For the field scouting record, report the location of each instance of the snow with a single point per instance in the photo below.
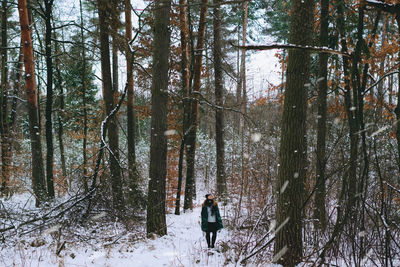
(170, 132)
(380, 130)
(280, 253)
(184, 245)
(256, 137)
(336, 121)
(377, 2)
(284, 186)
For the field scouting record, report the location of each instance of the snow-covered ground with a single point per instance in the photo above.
(183, 246)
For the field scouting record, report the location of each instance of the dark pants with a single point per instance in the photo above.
(212, 228)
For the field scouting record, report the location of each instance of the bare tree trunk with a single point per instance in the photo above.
(113, 130)
(239, 82)
(354, 117)
(60, 117)
(49, 99)
(320, 191)
(39, 67)
(180, 176)
(390, 90)
(397, 109)
(13, 112)
(349, 183)
(243, 107)
(84, 103)
(219, 113)
(17, 89)
(4, 127)
(243, 103)
(293, 147)
(156, 221)
(131, 117)
(191, 141)
(115, 59)
(380, 92)
(38, 185)
(109, 99)
(185, 70)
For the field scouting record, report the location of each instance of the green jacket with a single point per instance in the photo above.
(204, 217)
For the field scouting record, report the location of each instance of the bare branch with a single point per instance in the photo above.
(292, 46)
(393, 9)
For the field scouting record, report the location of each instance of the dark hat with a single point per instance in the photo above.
(208, 195)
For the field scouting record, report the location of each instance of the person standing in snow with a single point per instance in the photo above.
(210, 219)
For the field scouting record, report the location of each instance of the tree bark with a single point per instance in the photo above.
(38, 185)
(238, 84)
(109, 99)
(60, 116)
(4, 127)
(397, 109)
(156, 221)
(219, 113)
(193, 120)
(17, 89)
(320, 191)
(131, 117)
(243, 108)
(180, 176)
(353, 113)
(243, 102)
(113, 130)
(293, 148)
(84, 104)
(185, 70)
(49, 99)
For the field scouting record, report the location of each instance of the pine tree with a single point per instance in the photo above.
(293, 148)
(38, 177)
(156, 221)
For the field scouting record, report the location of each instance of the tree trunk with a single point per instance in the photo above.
(60, 117)
(156, 221)
(185, 70)
(219, 113)
(49, 100)
(320, 191)
(349, 182)
(13, 112)
(84, 104)
(38, 185)
(4, 127)
(131, 118)
(180, 176)
(238, 84)
(191, 140)
(397, 109)
(243, 108)
(109, 99)
(17, 89)
(380, 92)
(293, 148)
(243, 102)
(39, 68)
(354, 117)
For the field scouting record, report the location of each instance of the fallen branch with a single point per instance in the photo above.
(49, 215)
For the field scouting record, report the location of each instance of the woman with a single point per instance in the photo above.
(210, 219)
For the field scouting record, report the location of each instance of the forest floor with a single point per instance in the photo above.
(100, 244)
